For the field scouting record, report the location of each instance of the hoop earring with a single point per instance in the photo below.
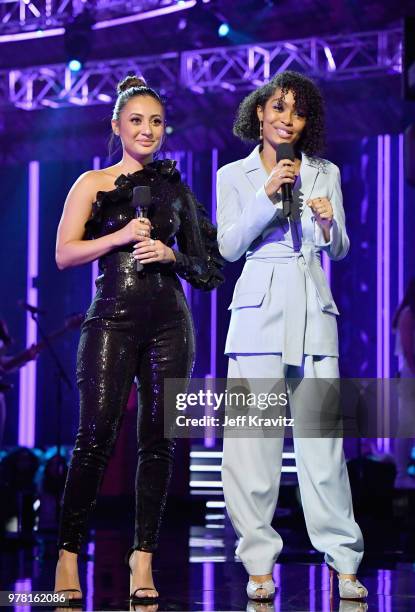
(261, 130)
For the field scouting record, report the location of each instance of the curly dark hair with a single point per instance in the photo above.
(308, 100)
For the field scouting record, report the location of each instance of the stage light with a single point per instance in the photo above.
(182, 25)
(104, 98)
(74, 65)
(223, 30)
(330, 59)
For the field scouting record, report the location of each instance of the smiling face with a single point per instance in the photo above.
(140, 127)
(282, 121)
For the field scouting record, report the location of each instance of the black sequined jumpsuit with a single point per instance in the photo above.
(138, 325)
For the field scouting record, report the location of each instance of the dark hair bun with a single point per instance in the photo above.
(130, 81)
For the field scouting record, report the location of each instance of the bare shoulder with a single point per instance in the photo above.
(92, 181)
(112, 172)
(96, 178)
(86, 180)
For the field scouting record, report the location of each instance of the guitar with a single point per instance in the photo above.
(30, 353)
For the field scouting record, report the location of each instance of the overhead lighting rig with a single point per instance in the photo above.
(32, 19)
(235, 68)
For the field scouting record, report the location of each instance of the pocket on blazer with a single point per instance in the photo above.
(252, 285)
(247, 300)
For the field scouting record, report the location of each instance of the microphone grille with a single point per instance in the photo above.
(141, 196)
(285, 151)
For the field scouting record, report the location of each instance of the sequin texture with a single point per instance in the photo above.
(138, 325)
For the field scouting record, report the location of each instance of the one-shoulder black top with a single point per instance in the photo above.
(176, 216)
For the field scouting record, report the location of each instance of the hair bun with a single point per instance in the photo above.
(130, 81)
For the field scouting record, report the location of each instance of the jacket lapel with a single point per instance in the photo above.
(308, 174)
(254, 170)
(257, 176)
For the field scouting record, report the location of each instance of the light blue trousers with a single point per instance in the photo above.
(251, 471)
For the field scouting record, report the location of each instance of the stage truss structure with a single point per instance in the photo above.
(19, 17)
(235, 68)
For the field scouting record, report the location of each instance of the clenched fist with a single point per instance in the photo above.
(323, 212)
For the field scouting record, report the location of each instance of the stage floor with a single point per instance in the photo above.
(195, 569)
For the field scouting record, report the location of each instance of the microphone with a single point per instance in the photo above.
(141, 202)
(29, 308)
(286, 151)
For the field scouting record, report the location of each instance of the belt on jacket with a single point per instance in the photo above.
(306, 260)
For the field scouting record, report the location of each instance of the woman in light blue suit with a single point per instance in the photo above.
(283, 325)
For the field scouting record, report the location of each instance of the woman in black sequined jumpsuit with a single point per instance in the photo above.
(138, 325)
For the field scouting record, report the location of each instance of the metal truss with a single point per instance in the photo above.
(232, 68)
(17, 16)
(331, 58)
(55, 86)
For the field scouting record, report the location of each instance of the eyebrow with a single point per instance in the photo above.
(285, 103)
(140, 115)
(279, 100)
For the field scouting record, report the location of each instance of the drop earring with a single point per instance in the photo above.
(261, 135)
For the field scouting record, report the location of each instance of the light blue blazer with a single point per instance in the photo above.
(282, 302)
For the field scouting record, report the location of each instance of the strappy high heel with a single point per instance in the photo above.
(253, 587)
(71, 602)
(143, 600)
(348, 589)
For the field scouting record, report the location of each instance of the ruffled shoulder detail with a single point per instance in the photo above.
(125, 183)
(214, 277)
(163, 167)
(206, 273)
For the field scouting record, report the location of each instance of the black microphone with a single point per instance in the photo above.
(29, 308)
(141, 202)
(286, 151)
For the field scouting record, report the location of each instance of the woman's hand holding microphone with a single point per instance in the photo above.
(283, 172)
(146, 249)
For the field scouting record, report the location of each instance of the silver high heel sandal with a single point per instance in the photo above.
(352, 589)
(348, 589)
(268, 588)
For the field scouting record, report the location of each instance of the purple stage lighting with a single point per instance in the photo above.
(27, 381)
